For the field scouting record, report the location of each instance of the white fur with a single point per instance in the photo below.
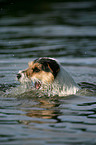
(23, 78)
(62, 85)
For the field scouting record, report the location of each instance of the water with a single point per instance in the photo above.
(67, 32)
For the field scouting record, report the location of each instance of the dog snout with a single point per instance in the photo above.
(18, 76)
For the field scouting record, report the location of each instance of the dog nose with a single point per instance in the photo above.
(19, 76)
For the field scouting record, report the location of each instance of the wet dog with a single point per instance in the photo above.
(48, 75)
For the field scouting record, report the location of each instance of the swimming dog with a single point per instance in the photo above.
(48, 75)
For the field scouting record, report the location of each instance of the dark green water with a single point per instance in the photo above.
(67, 32)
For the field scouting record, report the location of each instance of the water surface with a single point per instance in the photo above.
(67, 32)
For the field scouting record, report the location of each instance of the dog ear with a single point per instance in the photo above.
(54, 67)
(30, 64)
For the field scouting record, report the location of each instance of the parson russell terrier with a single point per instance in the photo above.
(47, 74)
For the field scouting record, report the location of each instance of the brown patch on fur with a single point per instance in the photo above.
(37, 65)
(30, 63)
(58, 70)
(45, 77)
(50, 68)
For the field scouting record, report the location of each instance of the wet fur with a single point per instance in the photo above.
(55, 80)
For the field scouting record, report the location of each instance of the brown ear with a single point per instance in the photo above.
(54, 67)
(30, 64)
(50, 67)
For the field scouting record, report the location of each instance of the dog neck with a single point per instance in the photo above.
(64, 84)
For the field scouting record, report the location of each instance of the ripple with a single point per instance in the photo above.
(67, 32)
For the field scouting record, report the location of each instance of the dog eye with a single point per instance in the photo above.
(36, 69)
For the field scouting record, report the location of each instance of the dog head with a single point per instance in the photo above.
(40, 71)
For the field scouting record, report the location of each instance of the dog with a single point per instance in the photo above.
(47, 74)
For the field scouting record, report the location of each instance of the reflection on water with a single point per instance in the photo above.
(67, 32)
(62, 119)
(47, 109)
